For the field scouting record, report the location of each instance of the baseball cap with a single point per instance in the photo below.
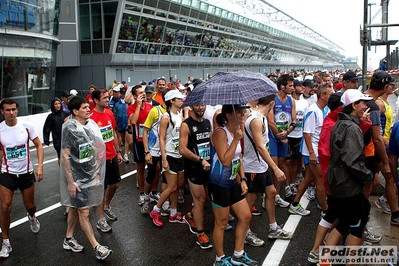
(228, 108)
(73, 92)
(308, 83)
(334, 101)
(117, 88)
(350, 75)
(172, 94)
(298, 82)
(181, 87)
(381, 77)
(149, 88)
(66, 94)
(352, 95)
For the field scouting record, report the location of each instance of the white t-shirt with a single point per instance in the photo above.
(210, 112)
(15, 147)
(250, 158)
(312, 123)
(300, 106)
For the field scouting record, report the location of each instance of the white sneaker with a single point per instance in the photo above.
(126, 158)
(141, 199)
(294, 189)
(298, 210)
(311, 193)
(288, 192)
(34, 224)
(280, 202)
(5, 250)
(382, 205)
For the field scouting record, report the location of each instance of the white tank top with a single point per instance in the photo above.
(172, 135)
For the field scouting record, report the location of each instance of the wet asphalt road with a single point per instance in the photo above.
(136, 241)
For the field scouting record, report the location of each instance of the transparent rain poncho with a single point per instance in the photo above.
(82, 163)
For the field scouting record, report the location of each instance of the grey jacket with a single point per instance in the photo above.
(347, 172)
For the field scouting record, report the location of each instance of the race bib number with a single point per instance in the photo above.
(16, 153)
(299, 123)
(267, 146)
(175, 142)
(141, 130)
(204, 150)
(235, 167)
(107, 133)
(85, 152)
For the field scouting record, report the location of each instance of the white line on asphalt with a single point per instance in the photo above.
(57, 205)
(280, 246)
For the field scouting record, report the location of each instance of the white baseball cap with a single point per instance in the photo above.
(353, 95)
(73, 92)
(170, 95)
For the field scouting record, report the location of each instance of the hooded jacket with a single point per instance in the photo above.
(347, 171)
(53, 124)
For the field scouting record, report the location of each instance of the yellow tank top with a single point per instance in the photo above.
(386, 120)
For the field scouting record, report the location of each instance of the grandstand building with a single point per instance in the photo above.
(136, 40)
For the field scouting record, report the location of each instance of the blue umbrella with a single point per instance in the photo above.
(231, 88)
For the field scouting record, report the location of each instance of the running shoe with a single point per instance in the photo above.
(189, 219)
(255, 211)
(103, 226)
(5, 250)
(253, 240)
(203, 241)
(244, 260)
(279, 233)
(110, 215)
(298, 179)
(34, 224)
(228, 227)
(72, 244)
(225, 261)
(154, 197)
(181, 196)
(294, 189)
(156, 218)
(311, 193)
(231, 218)
(313, 257)
(177, 218)
(370, 237)
(395, 221)
(102, 252)
(382, 205)
(141, 199)
(298, 210)
(126, 158)
(288, 192)
(322, 214)
(145, 208)
(280, 202)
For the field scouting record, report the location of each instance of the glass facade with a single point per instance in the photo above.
(196, 28)
(96, 25)
(27, 52)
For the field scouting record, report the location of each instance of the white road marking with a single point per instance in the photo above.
(57, 205)
(279, 247)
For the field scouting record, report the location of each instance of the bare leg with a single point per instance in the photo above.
(72, 219)
(221, 219)
(85, 224)
(6, 196)
(241, 209)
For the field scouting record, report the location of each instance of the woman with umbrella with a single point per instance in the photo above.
(228, 186)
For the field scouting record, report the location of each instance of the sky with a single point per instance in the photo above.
(340, 20)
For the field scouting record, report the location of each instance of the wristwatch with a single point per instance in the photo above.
(244, 179)
(146, 152)
(200, 159)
